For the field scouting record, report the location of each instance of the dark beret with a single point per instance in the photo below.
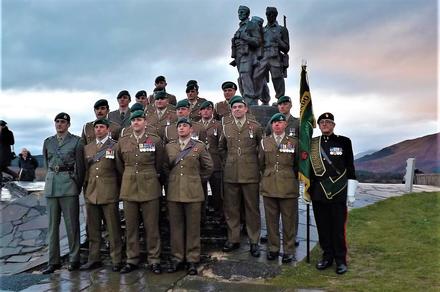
(2, 123)
(122, 93)
(137, 114)
(191, 82)
(284, 99)
(183, 103)
(191, 87)
(184, 120)
(141, 93)
(159, 79)
(326, 116)
(271, 9)
(102, 121)
(206, 104)
(236, 99)
(62, 116)
(160, 94)
(229, 84)
(101, 102)
(137, 107)
(278, 117)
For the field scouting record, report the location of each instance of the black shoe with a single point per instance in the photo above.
(192, 269)
(90, 266)
(287, 258)
(51, 268)
(255, 251)
(156, 268)
(73, 266)
(229, 246)
(128, 268)
(272, 255)
(263, 239)
(324, 264)
(116, 267)
(341, 269)
(174, 267)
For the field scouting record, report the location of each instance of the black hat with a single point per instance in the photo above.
(183, 120)
(159, 79)
(160, 94)
(122, 93)
(141, 93)
(229, 84)
(2, 123)
(101, 102)
(191, 87)
(62, 116)
(206, 104)
(278, 117)
(192, 82)
(137, 107)
(326, 116)
(102, 121)
(284, 99)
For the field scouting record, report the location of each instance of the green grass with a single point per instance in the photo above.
(394, 245)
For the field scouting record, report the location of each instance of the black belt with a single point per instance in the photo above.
(58, 168)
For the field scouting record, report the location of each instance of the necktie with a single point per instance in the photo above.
(99, 145)
(239, 124)
(60, 140)
(122, 116)
(182, 146)
(278, 140)
(159, 114)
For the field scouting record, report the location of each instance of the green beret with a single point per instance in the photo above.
(101, 102)
(141, 93)
(326, 116)
(278, 117)
(229, 84)
(160, 94)
(137, 114)
(206, 104)
(122, 93)
(236, 99)
(284, 99)
(183, 103)
(102, 121)
(137, 107)
(184, 120)
(62, 116)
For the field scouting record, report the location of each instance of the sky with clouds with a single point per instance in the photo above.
(373, 63)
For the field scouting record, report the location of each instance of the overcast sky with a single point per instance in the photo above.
(373, 63)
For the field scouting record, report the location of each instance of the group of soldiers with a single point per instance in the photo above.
(134, 153)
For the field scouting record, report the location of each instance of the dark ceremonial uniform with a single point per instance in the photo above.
(102, 186)
(329, 192)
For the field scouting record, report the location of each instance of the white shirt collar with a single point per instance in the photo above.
(102, 141)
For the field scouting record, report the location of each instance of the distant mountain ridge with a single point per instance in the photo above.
(392, 159)
(364, 153)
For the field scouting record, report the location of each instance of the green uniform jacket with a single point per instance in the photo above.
(102, 180)
(88, 133)
(140, 169)
(278, 167)
(240, 149)
(213, 132)
(198, 133)
(70, 154)
(185, 176)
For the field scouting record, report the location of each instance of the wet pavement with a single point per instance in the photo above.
(23, 229)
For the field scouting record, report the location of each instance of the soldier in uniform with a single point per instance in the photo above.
(213, 131)
(139, 158)
(101, 109)
(64, 160)
(162, 114)
(239, 143)
(187, 163)
(141, 97)
(331, 157)
(160, 84)
(245, 44)
(101, 187)
(222, 108)
(121, 116)
(183, 111)
(192, 94)
(129, 129)
(279, 188)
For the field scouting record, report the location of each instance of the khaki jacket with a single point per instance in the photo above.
(159, 125)
(278, 166)
(102, 180)
(213, 132)
(88, 133)
(185, 176)
(240, 149)
(127, 131)
(140, 169)
(195, 115)
(222, 109)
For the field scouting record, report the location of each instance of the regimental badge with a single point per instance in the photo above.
(335, 151)
(110, 153)
(292, 132)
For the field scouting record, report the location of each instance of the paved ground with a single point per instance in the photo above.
(22, 237)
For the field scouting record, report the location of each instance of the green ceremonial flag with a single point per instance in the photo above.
(307, 123)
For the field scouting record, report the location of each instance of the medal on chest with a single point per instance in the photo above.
(287, 148)
(147, 146)
(335, 151)
(251, 132)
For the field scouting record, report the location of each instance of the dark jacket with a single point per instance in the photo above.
(6, 141)
(27, 167)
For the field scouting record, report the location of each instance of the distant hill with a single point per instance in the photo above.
(362, 154)
(392, 159)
